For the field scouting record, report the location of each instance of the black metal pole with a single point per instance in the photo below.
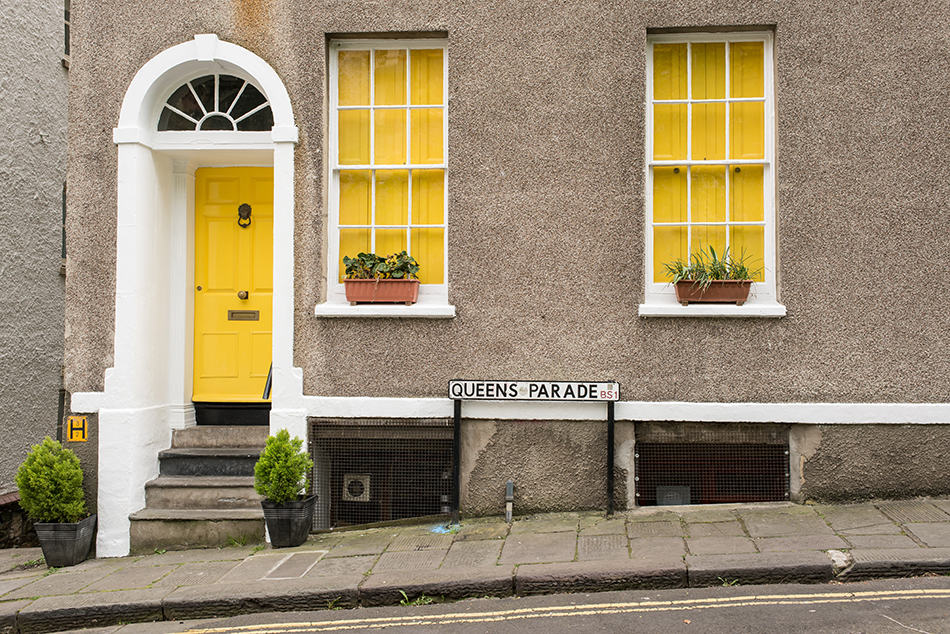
(610, 458)
(456, 461)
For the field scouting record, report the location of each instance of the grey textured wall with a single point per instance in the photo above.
(555, 465)
(877, 461)
(33, 95)
(546, 136)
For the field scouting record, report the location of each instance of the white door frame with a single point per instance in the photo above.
(148, 390)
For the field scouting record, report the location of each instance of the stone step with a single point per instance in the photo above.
(199, 461)
(201, 492)
(180, 529)
(208, 436)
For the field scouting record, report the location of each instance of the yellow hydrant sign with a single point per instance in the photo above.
(77, 428)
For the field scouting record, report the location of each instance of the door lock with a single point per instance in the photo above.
(242, 294)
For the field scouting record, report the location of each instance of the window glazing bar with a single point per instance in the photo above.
(681, 162)
(404, 166)
(724, 100)
(396, 107)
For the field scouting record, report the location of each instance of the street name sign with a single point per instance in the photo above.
(534, 390)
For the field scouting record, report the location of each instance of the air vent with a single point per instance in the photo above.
(356, 487)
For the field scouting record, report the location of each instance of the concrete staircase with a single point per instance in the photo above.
(204, 495)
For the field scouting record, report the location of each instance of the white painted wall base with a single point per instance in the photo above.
(129, 442)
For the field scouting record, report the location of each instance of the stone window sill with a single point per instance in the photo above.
(420, 310)
(771, 310)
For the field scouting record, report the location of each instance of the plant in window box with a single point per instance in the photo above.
(50, 485)
(711, 279)
(374, 279)
(280, 475)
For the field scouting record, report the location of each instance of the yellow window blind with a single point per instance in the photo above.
(746, 69)
(708, 105)
(392, 113)
(392, 197)
(354, 78)
(708, 188)
(669, 71)
(709, 70)
(390, 78)
(426, 71)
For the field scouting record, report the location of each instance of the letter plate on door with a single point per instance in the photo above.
(244, 315)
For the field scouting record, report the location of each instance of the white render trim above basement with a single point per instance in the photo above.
(642, 411)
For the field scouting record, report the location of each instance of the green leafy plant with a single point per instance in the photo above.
(703, 268)
(33, 563)
(369, 266)
(422, 599)
(728, 581)
(50, 484)
(281, 472)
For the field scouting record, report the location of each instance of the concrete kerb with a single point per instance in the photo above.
(269, 596)
(752, 569)
(387, 588)
(902, 562)
(592, 576)
(97, 609)
(49, 614)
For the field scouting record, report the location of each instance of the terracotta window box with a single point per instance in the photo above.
(718, 292)
(381, 291)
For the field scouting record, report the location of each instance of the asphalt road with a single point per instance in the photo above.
(899, 605)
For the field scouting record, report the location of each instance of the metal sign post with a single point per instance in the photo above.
(456, 461)
(610, 458)
(577, 391)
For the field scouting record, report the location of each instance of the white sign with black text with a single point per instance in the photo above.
(534, 390)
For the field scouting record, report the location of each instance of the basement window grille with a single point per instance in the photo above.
(694, 464)
(379, 470)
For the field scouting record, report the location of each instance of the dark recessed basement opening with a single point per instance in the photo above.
(377, 470)
(699, 463)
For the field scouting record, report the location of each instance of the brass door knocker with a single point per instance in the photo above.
(244, 215)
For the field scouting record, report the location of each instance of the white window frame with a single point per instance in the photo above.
(659, 298)
(433, 298)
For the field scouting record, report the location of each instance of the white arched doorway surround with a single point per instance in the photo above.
(148, 390)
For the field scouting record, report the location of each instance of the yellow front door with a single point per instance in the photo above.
(234, 228)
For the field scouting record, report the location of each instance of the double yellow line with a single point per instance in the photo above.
(584, 610)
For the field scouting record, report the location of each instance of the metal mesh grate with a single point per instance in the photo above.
(379, 470)
(745, 465)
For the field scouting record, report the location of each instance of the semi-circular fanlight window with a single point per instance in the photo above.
(217, 102)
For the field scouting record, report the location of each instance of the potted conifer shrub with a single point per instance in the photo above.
(708, 278)
(50, 484)
(280, 475)
(373, 279)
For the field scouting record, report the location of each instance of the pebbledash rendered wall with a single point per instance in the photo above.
(33, 96)
(546, 228)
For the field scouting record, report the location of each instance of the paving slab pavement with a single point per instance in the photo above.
(473, 554)
(687, 546)
(720, 545)
(13, 558)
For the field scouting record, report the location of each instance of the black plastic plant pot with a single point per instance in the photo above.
(288, 523)
(66, 544)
